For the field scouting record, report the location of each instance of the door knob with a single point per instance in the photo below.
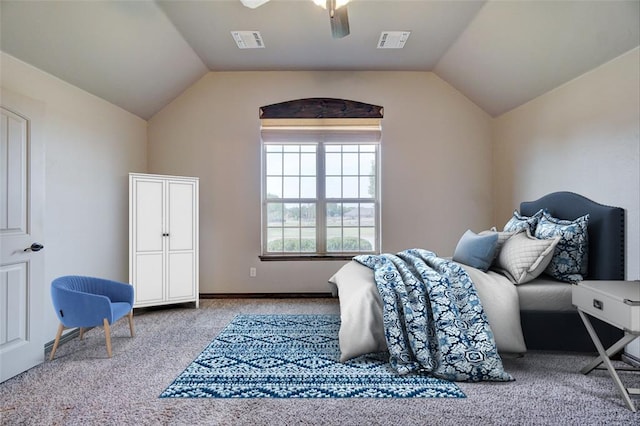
(34, 247)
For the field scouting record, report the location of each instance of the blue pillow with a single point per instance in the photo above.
(569, 262)
(476, 250)
(519, 223)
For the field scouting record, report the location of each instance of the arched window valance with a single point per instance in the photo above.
(306, 119)
(319, 108)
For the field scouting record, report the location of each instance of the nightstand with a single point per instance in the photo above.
(617, 303)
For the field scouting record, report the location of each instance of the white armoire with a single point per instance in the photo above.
(163, 239)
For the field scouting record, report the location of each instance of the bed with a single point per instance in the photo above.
(535, 314)
(560, 327)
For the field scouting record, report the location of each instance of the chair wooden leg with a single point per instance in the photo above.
(130, 316)
(57, 341)
(81, 333)
(107, 335)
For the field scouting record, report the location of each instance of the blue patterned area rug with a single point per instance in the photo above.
(295, 356)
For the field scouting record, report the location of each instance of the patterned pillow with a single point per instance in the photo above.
(518, 222)
(476, 250)
(524, 257)
(571, 255)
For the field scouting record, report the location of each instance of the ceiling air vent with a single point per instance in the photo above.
(248, 39)
(393, 39)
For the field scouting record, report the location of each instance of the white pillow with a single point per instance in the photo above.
(503, 236)
(523, 257)
(361, 326)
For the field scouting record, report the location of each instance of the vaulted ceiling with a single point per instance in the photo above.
(140, 55)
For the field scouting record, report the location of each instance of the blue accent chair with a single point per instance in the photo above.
(89, 302)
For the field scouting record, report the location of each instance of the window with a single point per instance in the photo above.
(320, 197)
(320, 178)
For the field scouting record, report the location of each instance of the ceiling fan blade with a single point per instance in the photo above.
(339, 22)
(252, 4)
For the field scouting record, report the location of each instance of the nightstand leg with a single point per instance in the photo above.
(604, 357)
(617, 347)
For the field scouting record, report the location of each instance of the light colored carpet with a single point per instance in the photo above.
(84, 387)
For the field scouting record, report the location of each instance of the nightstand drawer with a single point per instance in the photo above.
(615, 302)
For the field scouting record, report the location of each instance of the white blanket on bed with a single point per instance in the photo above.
(362, 330)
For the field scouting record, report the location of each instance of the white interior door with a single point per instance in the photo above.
(22, 287)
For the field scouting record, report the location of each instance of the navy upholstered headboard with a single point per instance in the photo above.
(606, 230)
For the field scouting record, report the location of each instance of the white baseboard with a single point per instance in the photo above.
(65, 338)
(630, 359)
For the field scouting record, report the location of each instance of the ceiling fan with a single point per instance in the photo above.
(337, 14)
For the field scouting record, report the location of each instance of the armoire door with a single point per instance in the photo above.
(181, 248)
(148, 240)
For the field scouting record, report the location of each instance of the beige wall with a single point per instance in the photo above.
(437, 177)
(583, 137)
(436, 174)
(91, 146)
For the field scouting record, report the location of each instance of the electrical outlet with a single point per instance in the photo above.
(252, 272)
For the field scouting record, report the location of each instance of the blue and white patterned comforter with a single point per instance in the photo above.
(433, 319)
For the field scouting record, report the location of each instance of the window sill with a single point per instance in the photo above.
(296, 257)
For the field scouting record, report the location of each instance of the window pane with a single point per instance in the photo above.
(291, 148)
(274, 239)
(307, 187)
(333, 187)
(350, 187)
(308, 240)
(368, 187)
(333, 164)
(332, 148)
(350, 164)
(274, 214)
(291, 239)
(367, 148)
(292, 214)
(334, 214)
(350, 214)
(367, 239)
(350, 147)
(291, 164)
(350, 239)
(274, 187)
(308, 214)
(350, 233)
(308, 164)
(291, 233)
(274, 164)
(334, 239)
(291, 187)
(307, 148)
(368, 164)
(367, 214)
(273, 148)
